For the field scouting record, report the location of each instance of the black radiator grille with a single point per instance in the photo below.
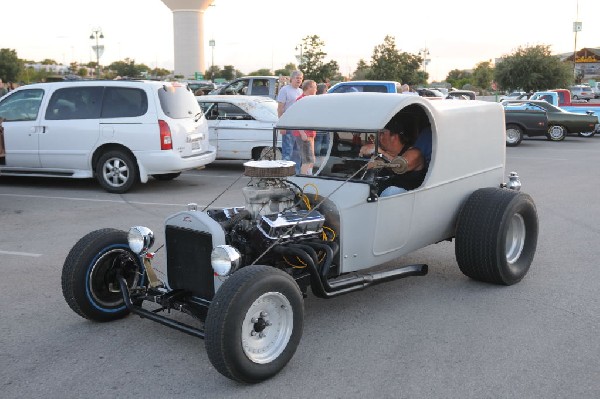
(188, 261)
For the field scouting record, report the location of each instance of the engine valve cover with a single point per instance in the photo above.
(292, 224)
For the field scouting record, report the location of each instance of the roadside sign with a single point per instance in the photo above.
(198, 75)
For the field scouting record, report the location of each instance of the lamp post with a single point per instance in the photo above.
(424, 52)
(211, 43)
(97, 34)
(301, 48)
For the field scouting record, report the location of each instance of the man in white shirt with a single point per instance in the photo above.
(286, 97)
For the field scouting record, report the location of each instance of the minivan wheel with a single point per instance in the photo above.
(116, 171)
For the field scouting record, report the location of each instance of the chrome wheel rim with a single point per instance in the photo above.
(102, 284)
(512, 136)
(556, 132)
(515, 238)
(115, 172)
(267, 327)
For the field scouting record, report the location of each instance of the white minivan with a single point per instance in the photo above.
(120, 132)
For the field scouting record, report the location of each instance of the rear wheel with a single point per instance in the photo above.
(496, 235)
(89, 275)
(116, 171)
(167, 176)
(556, 133)
(514, 135)
(254, 324)
(587, 134)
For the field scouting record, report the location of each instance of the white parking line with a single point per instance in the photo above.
(20, 254)
(95, 200)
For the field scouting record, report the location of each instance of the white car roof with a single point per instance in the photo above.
(346, 111)
(259, 107)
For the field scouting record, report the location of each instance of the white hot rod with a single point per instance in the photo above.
(242, 273)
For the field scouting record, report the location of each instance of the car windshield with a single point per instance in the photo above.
(177, 101)
(337, 154)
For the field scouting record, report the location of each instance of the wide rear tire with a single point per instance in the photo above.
(496, 235)
(254, 324)
(89, 275)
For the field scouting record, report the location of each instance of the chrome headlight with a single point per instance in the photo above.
(225, 259)
(140, 239)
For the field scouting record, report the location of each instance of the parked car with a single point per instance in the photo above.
(244, 271)
(461, 95)
(366, 86)
(119, 132)
(253, 86)
(205, 85)
(560, 122)
(524, 122)
(515, 95)
(581, 92)
(432, 94)
(240, 127)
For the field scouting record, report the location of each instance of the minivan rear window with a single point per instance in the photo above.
(178, 102)
(123, 102)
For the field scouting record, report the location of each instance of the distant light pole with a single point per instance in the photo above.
(97, 34)
(211, 43)
(424, 52)
(301, 48)
(576, 28)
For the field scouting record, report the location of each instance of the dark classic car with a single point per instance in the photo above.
(524, 122)
(560, 122)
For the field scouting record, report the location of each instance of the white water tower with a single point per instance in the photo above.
(188, 29)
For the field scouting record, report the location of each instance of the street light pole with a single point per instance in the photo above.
(211, 43)
(301, 48)
(97, 34)
(425, 53)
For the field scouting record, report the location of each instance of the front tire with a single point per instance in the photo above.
(556, 133)
(254, 324)
(514, 135)
(496, 235)
(89, 275)
(116, 171)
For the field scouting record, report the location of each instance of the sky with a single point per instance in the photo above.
(250, 35)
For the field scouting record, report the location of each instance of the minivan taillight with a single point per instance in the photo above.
(166, 140)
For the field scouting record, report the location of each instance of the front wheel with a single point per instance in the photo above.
(116, 171)
(556, 133)
(514, 135)
(496, 235)
(254, 324)
(89, 276)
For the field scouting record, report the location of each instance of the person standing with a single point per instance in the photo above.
(305, 139)
(286, 97)
(3, 91)
(322, 138)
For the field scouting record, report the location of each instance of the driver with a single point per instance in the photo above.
(403, 165)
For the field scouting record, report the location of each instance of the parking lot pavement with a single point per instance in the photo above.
(442, 335)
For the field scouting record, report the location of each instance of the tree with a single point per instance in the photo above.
(362, 70)
(532, 69)
(287, 70)
(483, 75)
(312, 63)
(458, 78)
(128, 68)
(261, 72)
(10, 65)
(387, 63)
